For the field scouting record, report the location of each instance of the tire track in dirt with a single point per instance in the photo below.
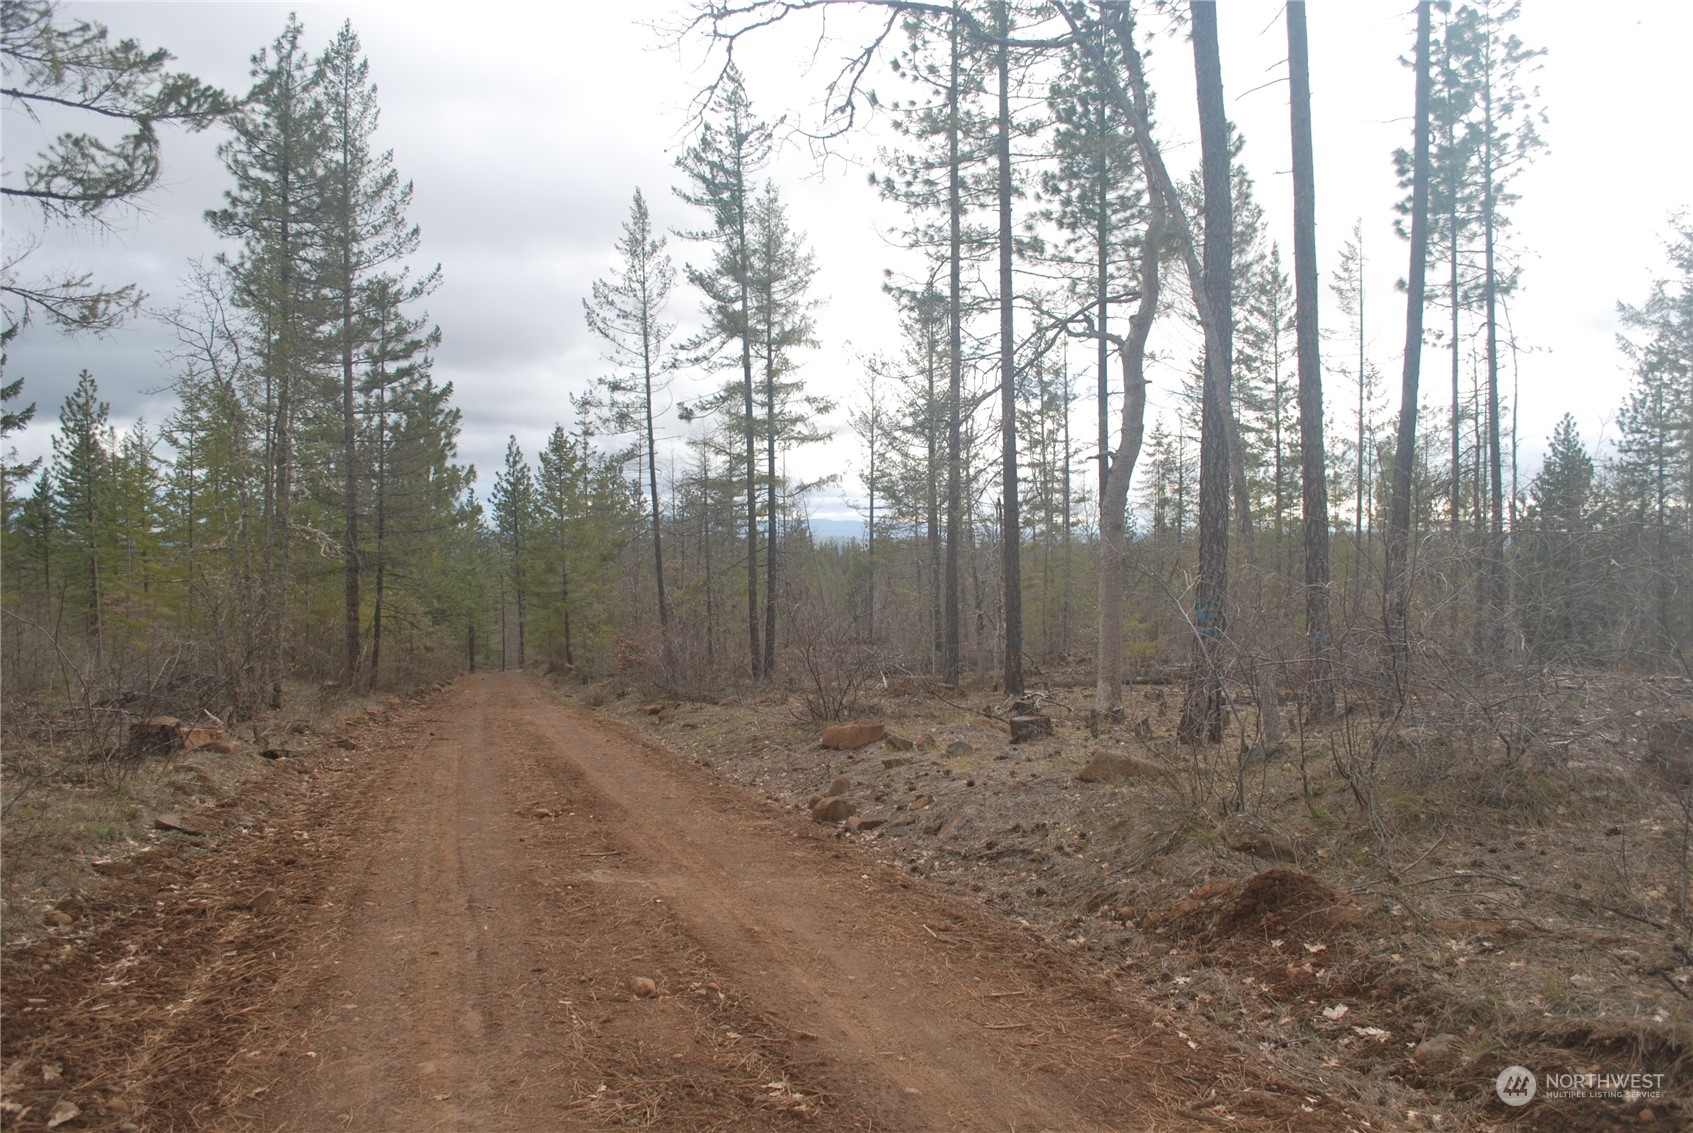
(520, 861)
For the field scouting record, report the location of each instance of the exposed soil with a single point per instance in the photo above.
(1518, 898)
(493, 911)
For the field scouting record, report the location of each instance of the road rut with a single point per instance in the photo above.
(522, 866)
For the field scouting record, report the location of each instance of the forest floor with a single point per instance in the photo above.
(509, 905)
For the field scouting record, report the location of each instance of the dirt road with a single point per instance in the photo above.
(528, 865)
(496, 878)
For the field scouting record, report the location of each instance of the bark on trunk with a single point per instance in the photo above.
(1319, 651)
(1397, 580)
(955, 364)
(1011, 528)
(1202, 712)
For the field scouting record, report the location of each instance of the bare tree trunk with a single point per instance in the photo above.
(381, 533)
(932, 507)
(756, 656)
(1320, 691)
(350, 457)
(770, 519)
(1102, 288)
(1493, 618)
(1011, 526)
(1397, 581)
(1202, 712)
(652, 480)
(955, 362)
(1457, 427)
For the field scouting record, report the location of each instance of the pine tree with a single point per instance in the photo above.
(733, 145)
(12, 470)
(275, 211)
(1483, 133)
(1653, 468)
(366, 238)
(914, 475)
(410, 447)
(1347, 285)
(1560, 583)
(627, 311)
(1266, 387)
(781, 272)
(513, 501)
(82, 505)
(1098, 203)
(1509, 141)
(561, 497)
(951, 122)
(84, 178)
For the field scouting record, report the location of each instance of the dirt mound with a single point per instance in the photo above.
(1280, 903)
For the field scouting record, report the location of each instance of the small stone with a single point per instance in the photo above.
(172, 821)
(1248, 834)
(896, 761)
(898, 743)
(642, 987)
(1026, 728)
(959, 747)
(1438, 1052)
(63, 1112)
(831, 809)
(840, 786)
(850, 737)
(921, 802)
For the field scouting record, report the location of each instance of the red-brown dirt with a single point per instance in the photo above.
(501, 913)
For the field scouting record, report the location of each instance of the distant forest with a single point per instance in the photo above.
(302, 518)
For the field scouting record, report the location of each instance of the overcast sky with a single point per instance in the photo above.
(526, 128)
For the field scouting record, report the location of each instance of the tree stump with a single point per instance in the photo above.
(1025, 728)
